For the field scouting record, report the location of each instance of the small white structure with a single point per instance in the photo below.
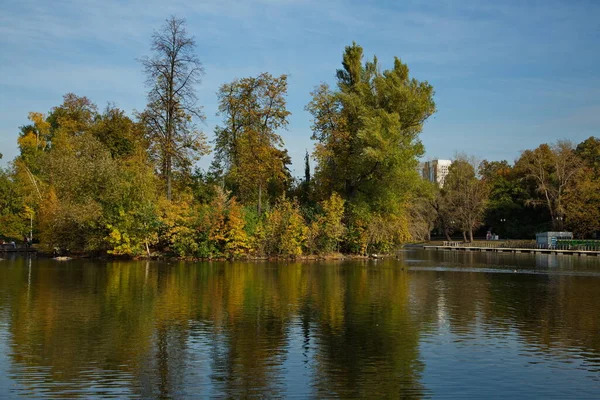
(547, 240)
(436, 171)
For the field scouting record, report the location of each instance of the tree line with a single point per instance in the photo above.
(104, 182)
(553, 187)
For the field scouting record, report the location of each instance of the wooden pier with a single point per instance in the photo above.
(454, 247)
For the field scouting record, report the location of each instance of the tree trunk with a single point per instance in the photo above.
(169, 176)
(259, 198)
(447, 235)
(169, 186)
(471, 234)
(464, 235)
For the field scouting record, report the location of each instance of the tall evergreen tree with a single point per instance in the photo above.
(306, 169)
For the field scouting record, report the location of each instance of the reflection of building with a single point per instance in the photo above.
(436, 171)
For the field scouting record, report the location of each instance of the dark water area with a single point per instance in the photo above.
(430, 324)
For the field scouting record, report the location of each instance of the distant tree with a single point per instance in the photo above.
(582, 205)
(589, 152)
(85, 179)
(423, 212)
(490, 170)
(446, 220)
(582, 199)
(506, 213)
(553, 170)
(465, 196)
(172, 74)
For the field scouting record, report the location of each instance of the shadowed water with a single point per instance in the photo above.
(430, 324)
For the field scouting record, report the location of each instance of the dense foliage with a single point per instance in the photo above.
(105, 183)
(553, 187)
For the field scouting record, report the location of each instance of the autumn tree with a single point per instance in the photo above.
(582, 205)
(249, 151)
(589, 153)
(582, 198)
(81, 178)
(85, 179)
(446, 219)
(172, 73)
(552, 169)
(40, 141)
(73, 117)
(131, 215)
(283, 231)
(327, 230)
(34, 139)
(464, 196)
(34, 143)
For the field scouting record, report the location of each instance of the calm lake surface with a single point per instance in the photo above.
(428, 325)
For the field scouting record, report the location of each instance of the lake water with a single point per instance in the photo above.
(427, 325)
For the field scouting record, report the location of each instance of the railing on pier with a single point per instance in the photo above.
(580, 247)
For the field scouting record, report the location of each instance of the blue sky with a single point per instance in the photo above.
(508, 75)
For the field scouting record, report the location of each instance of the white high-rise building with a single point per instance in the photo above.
(436, 171)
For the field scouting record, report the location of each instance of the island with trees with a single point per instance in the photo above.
(101, 182)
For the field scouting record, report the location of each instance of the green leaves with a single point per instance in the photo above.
(367, 137)
(248, 148)
(14, 213)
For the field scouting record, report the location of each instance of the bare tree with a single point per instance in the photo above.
(172, 72)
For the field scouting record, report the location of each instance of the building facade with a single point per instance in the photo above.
(436, 171)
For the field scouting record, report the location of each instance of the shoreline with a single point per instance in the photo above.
(171, 257)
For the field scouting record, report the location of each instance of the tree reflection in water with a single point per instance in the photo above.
(353, 329)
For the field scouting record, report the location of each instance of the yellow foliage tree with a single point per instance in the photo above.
(331, 222)
(284, 231)
(236, 239)
(177, 218)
